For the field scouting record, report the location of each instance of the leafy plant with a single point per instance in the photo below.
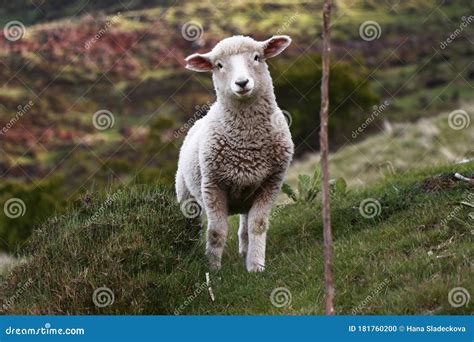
(308, 187)
(338, 187)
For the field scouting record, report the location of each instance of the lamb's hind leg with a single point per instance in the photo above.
(215, 202)
(243, 235)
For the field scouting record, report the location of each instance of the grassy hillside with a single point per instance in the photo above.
(429, 141)
(137, 243)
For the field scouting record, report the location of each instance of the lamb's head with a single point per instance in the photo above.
(238, 66)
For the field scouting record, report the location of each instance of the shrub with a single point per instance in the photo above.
(297, 89)
(24, 207)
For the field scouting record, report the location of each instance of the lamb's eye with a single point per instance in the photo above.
(256, 58)
(219, 65)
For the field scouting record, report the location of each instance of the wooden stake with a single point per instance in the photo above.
(324, 145)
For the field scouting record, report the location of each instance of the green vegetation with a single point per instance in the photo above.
(297, 89)
(138, 244)
(24, 206)
(428, 142)
(308, 187)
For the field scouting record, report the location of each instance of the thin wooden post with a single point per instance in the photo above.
(324, 145)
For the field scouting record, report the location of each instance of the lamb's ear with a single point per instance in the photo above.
(275, 45)
(198, 62)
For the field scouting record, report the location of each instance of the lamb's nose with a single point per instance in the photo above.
(242, 84)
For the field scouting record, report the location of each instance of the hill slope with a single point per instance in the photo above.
(138, 244)
(429, 141)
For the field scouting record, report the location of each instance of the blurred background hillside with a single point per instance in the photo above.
(94, 94)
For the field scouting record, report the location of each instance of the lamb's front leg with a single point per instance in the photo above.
(258, 222)
(215, 202)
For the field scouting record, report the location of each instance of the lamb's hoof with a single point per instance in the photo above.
(255, 268)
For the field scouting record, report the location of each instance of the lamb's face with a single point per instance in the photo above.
(238, 65)
(240, 75)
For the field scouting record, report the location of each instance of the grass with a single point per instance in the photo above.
(405, 260)
(429, 141)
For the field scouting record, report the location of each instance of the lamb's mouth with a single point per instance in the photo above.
(243, 92)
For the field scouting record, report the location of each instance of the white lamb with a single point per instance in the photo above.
(233, 160)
